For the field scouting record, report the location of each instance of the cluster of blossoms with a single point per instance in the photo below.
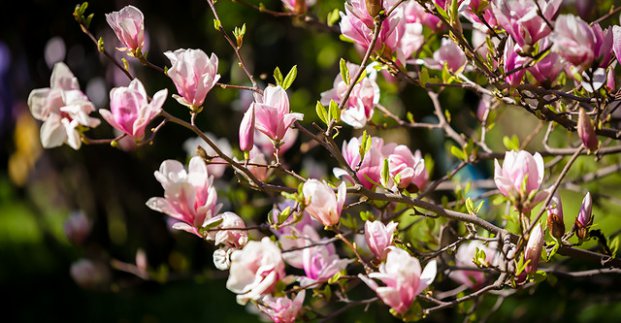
(297, 249)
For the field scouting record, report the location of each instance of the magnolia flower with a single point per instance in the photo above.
(586, 132)
(77, 227)
(216, 165)
(379, 237)
(584, 220)
(255, 270)
(616, 44)
(224, 234)
(463, 258)
(408, 167)
(512, 64)
(416, 13)
(272, 114)
(602, 49)
(282, 309)
(368, 171)
(266, 145)
(448, 54)
(574, 40)
(194, 74)
(246, 130)
(471, 9)
(556, 225)
(546, 70)
(63, 108)
(362, 99)
(298, 6)
(189, 196)
(522, 20)
(256, 160)
(403, 279)
(128, 25)
(320, 262)
(397, 35)
(290, 233)
(520, 176)
(130, 110)
(533, 249)
(322, 203)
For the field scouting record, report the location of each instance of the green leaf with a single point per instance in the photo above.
(385, 173)
(293, 73)
(278, 76)
(321, 112)
(423, 77)
(217, 24)
(512, 143)
(365, 145)
(333, 17)
(334, 111)
(470, 206)
(410, 117)
(614, 246)
(459, 153)
(284, 215)
(335, 278)
(367, 216)
(344, 71)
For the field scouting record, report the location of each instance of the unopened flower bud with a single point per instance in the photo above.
(555, 217)
(586, 132)
(89, 274)
(533, 249)
(77, 227)
(585, 217)
(246, 130)
(374, 7)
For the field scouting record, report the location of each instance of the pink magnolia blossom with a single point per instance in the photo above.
(272, 114)
(520, 168)
(463, 258)
(291, 233)
(128, 25)
(255, 270)
(379, 237)
(546, 70)
(602, 49)
(266, 145)
(397, 36)
(521, 20)
(369, 172)
(282, 309)
(217, 165)
(362, 99)
(585, 217)
(409, 167)
(512, 64)
(586, 131)
(320, 262)
(322, 203)
(246, 130)
(616, 45)
(403, 279)
(533, 249)
(256, 160)
(130, 109)
(194, 74)
(224, 233)
(189, 196)
(298, 6)
(416, 13)
(63, 108)
(574, 40)
(448, 54)
(475, 11)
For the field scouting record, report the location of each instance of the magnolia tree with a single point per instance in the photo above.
(337, 241)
